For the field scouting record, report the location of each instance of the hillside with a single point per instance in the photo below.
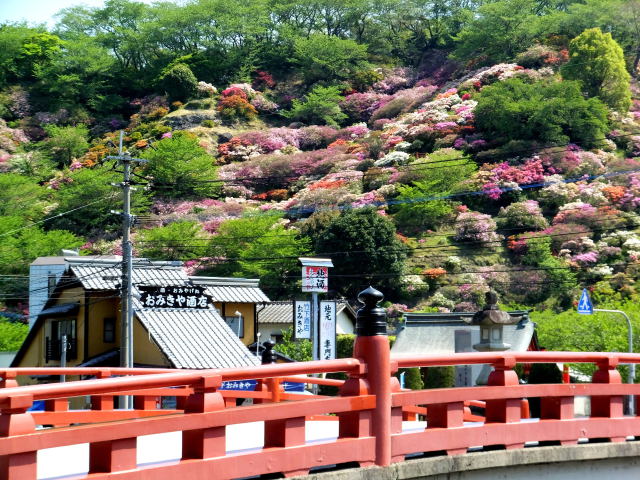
(436, 167)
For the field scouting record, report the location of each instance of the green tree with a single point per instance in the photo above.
(178, 81)
(424, 182)
(176, 241)
(327, 58)
(364, 249)
(298, 350)
(21, 196)
(498, 31)
(12, 334)
(259, 246)
(548, 111)
(321, 105)
(180, 167)
(66, 143)
(88, 197)
(597, 62)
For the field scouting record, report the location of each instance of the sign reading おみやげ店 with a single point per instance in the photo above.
(186, 296)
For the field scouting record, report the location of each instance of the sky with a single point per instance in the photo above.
(40, 11)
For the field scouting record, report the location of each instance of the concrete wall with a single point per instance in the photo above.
(38, 287)
(619, 461)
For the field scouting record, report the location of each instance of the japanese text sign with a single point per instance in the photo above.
(315, 279)
(186, 296)
(302, 319)
(327, 342)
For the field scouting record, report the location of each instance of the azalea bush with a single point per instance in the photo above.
(525, 215)
(475, 227)
(236, 107)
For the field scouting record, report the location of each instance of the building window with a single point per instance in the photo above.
(109, 330)
(236, 323)
(51, 283)
(60, 328)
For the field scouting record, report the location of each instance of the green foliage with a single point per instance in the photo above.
(439, 377)
(88, 195)
(12, 334)
(21, 196)
(412, 378)
(176, 241)
(298, 350)
(178, 81)
(259, 246)
(328, 58)
(319, 106)
(422, 182)
(561, 281)
(66, 143)
(182, 164)
(548, 111)
(597, 62)
(362, 245)
(600, 332)
(499, 31)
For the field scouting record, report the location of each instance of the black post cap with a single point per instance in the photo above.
(268, 355)
(370, 319)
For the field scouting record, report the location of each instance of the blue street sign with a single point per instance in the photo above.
(584, 304)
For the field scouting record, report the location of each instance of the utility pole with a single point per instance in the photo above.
(126, 318)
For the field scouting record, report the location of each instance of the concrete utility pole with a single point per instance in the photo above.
(126, 319)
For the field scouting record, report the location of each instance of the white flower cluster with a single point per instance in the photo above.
(393, 158)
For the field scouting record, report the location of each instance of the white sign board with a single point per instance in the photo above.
(302, 319)
(315, 279)
(327, 330)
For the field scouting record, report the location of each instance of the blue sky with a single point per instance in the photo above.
(40, 11)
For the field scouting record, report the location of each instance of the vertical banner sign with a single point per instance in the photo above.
(302, 319)
(327, 330)
(314, 279)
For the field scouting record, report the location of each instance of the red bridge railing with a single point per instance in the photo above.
(369, 410)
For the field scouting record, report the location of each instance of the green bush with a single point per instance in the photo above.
(439, 377)
(178, 81)
(412, 378)
(328, 58)
(319, 106)
(597, 62)
(549, 111)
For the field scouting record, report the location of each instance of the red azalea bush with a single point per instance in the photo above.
(236, 106)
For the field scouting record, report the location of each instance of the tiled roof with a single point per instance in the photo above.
(236, 290)
(282, 312)
(106, 275)
(195, 338)
(276, 312)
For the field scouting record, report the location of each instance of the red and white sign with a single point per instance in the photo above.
(315, 279)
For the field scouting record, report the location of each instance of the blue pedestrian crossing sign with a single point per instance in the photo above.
(584, 304)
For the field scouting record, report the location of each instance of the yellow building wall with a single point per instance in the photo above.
(145, 350)
(247, 310)
(98, 311)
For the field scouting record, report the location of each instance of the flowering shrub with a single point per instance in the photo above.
(394, 80)
(395, 310)
(263, 104)
(316, 137)
(475, 227)
(495, 178)
(434, 273)
(360, 106)
(206, 90)
(401, 102)
(393, 158)
(524, 215)
(236, 106)
(234, 91)
(542, 55)
(263, 80)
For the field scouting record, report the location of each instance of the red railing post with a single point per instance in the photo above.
(8, 380)
(505, 410)
(16, 420)
(205, 442)
(372, 346)
(102, 402)
(609, 406)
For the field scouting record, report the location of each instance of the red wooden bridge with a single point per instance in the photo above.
(369, 409)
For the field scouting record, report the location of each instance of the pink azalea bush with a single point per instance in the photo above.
(475, 227)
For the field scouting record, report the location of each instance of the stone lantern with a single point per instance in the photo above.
(491, 320)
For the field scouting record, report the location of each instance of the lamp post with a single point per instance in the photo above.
(491, 320)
